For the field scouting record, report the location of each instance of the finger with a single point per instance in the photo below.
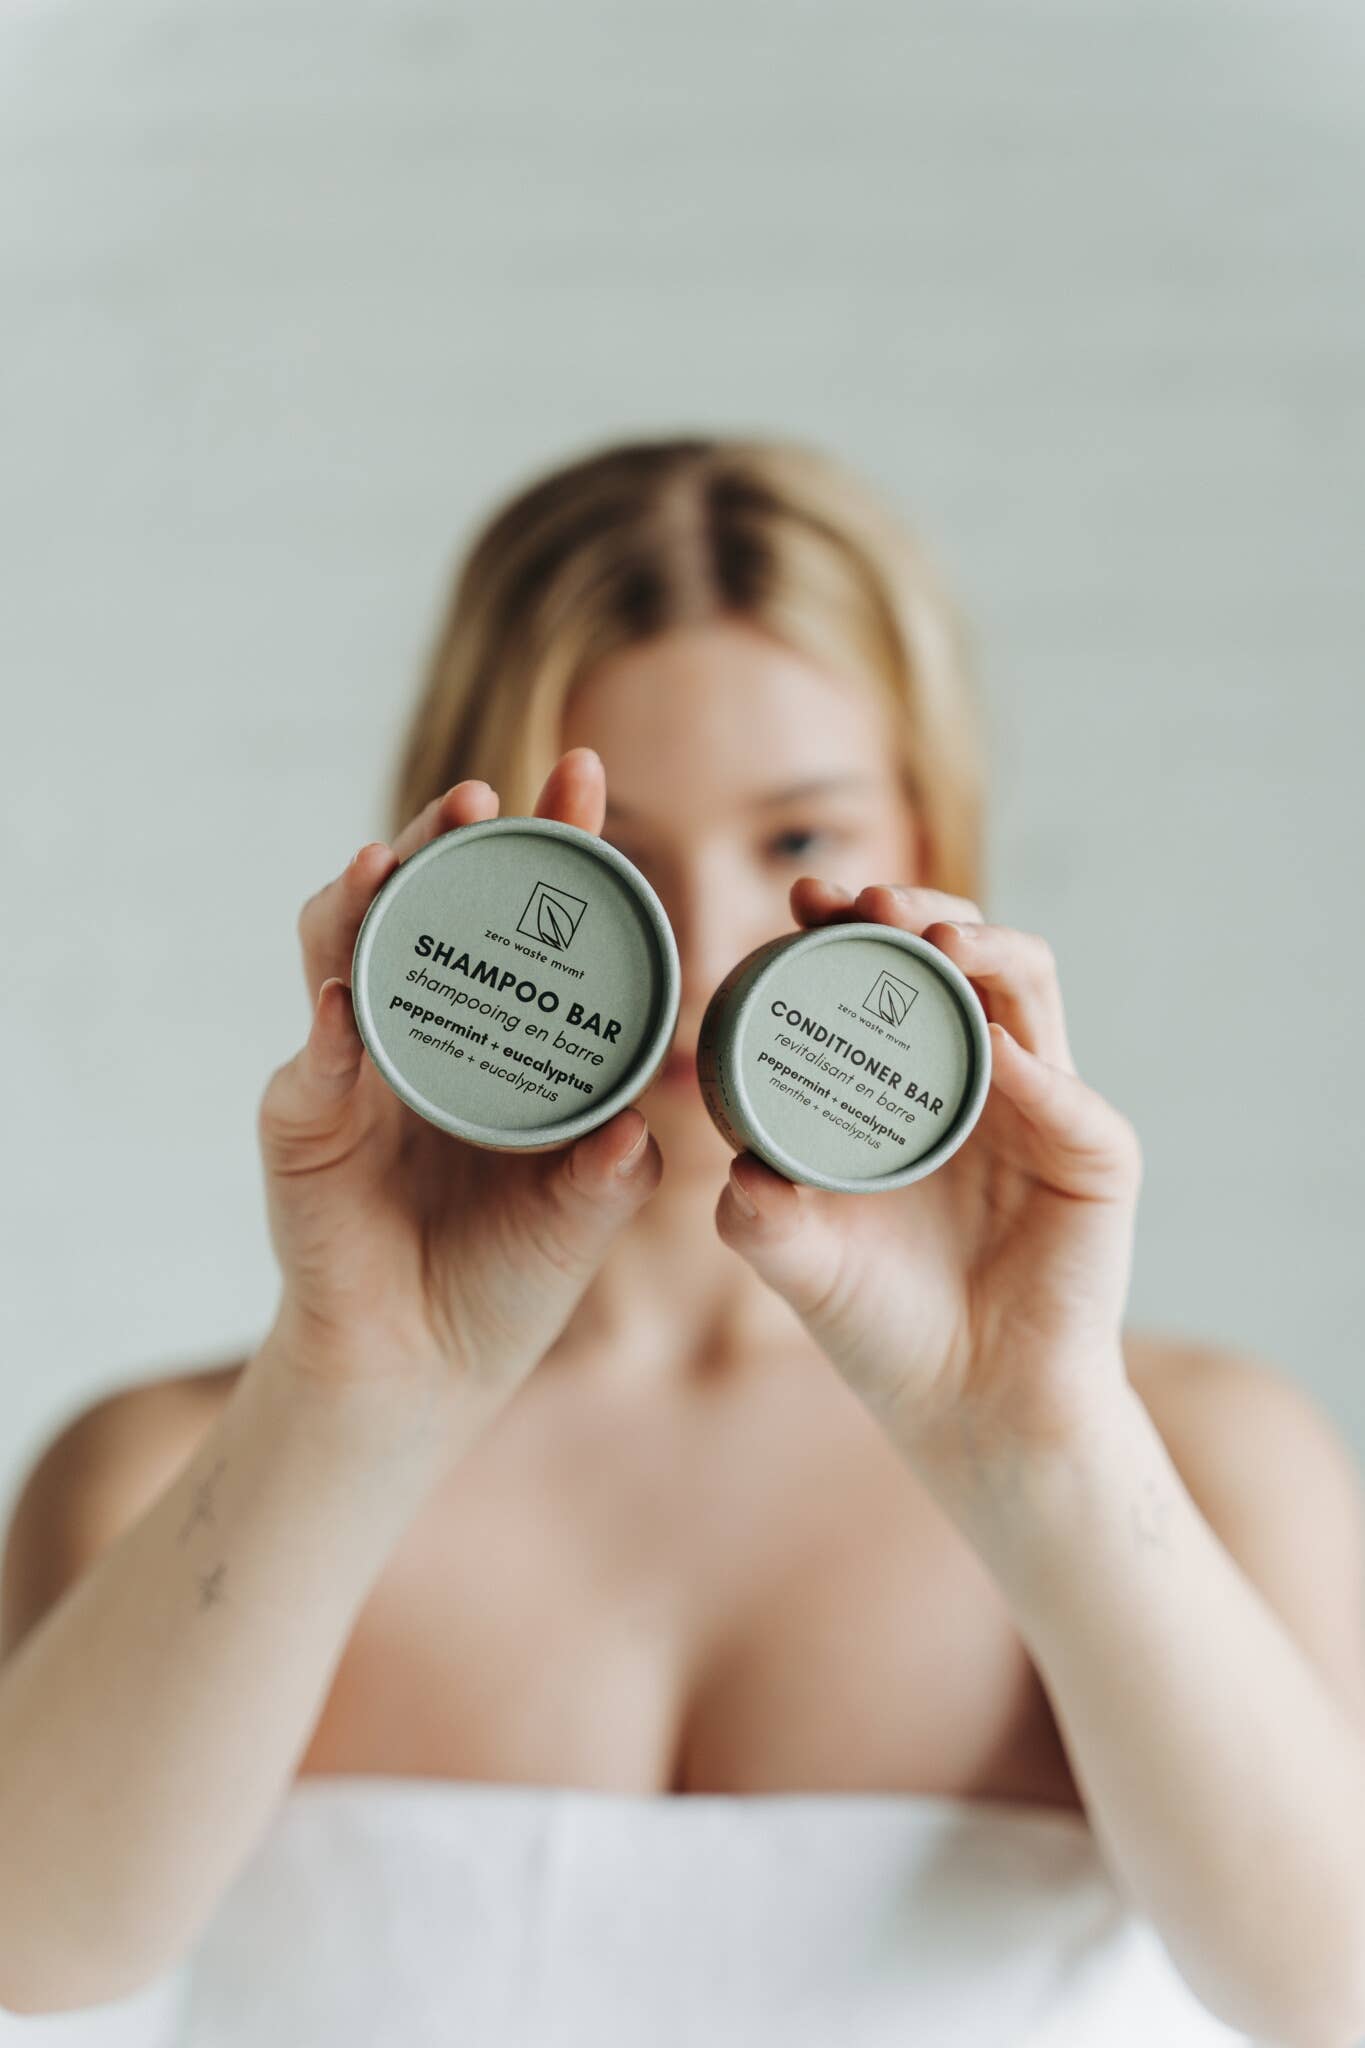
(1015, 974)
(815, 901)
(1017, 971)
(312, 1111)
(801, 1241)
(623, 1148)
(908, 905)
(591, 1189)
(464, 803)
(783, 1231)
(912, 906)
(328, 922)
(330, 919)
(575, 790)
(1076, 1141)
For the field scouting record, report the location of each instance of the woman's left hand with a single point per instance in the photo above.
(988, 1297)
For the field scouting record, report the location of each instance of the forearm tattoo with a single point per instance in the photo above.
(201, 1509)
(211, 1586)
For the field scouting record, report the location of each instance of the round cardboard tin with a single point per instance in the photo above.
(516, 981)
(852, 1056)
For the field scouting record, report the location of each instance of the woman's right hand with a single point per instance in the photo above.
(412, 1260)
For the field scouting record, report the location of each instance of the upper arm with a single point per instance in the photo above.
(95, 1477)
(1281, 1488)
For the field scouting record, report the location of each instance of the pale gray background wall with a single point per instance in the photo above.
(288, 294)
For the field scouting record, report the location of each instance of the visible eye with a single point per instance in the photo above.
(785, 848)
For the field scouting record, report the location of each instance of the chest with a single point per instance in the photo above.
(729, 1591)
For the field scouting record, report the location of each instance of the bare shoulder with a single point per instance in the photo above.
(1276, 1479)
(96, 1474)
(1206, 1390)
(1156, 1358)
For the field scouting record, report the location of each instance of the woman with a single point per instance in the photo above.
(636, 1469)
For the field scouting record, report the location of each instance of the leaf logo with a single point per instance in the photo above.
(552, 923)
(890, 998)
(552, 915)
(891, 1005)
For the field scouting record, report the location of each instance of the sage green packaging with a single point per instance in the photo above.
(516, 981)
(852, 1056)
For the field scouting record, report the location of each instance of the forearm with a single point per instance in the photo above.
(1223, 1781)
(153, 1717)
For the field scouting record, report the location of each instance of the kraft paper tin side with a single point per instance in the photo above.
(852, 1056)
(516, 982)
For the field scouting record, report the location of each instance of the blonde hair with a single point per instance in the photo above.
(636, 538)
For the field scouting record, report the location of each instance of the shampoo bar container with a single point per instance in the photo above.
(516, 982)
(850, 1056)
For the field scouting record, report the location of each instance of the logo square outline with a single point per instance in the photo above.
(560, 900)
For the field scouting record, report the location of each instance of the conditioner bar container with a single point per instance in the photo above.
(516, 982)
(852, 1056)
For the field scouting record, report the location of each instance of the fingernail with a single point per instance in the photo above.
(949, 926)
(744, 1201)
(628, 1163)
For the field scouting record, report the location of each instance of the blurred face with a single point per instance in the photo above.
(734, 765)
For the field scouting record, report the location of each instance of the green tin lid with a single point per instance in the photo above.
(852, 1056)
(516, 982)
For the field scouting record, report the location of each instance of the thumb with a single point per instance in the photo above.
(588, 1190)
(785, 1232)
(309, 1114)
(1074, 1139)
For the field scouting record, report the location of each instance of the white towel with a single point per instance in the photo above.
(395, 1912)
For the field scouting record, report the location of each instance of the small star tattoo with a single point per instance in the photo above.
(202, 1510)
(211, 1586)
